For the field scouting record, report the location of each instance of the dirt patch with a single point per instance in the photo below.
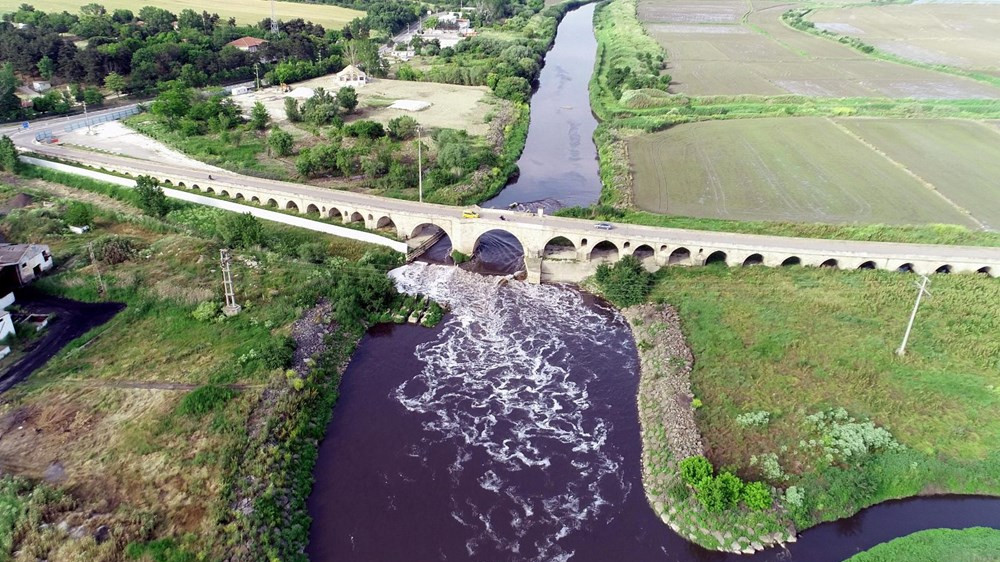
(18, 201)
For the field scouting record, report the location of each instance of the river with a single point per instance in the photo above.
(510, 431)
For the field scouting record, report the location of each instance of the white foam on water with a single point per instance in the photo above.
(497, 381)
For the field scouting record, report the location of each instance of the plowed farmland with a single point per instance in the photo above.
(733, 47)
(820, 170)
(948, 34)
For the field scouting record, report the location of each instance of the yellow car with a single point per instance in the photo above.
(470, 215)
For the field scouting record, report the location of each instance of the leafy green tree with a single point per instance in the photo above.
(365, 129)
(8, 155)
(79, 214)
(280, 142)
(695, 469)
(625, 283)
(115, 82)
(403, 127)
(240, 230)
(10, 104)
(152, 200)
(259, 116)
(757, 496)
(513, 88)
(292, 110)
(174, 102)
(92, 96)
(46, 67)
(347, 99)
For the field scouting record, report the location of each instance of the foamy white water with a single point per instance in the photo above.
(499, 381)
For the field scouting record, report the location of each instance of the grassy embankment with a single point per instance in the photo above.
(186, 436)
(976, 544)
(791, 366)
(622, 42)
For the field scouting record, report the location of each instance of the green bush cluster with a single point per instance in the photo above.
(206, 311)
(724, 491)
(626, 283)
(113, 249)
(205, 399)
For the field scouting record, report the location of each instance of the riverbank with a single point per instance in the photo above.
(796, 385)
(669, 435)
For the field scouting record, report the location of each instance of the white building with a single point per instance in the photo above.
(351, 76)
(41, 86)
(6, 322)
(21, 264)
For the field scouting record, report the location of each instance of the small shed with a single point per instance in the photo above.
(351, 76)
(41, 86)
(21, 264)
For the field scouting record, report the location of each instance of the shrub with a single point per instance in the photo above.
(513, 88)
(112, 250)
(152, 200)
(757, 496)
(365, 129)
(769, 466)
(205, 399)
(625, 283)
(292, 110)
(280, 142)
(459, 257)
(719, 493)
(240, 230)
(695, 469)
(795, 496)
(79, 214)
(402, 127)
(206, 311)
(753, 419)
(347, 99)
(8, 155)
(277, 353)
(314, 252)
(259, 116)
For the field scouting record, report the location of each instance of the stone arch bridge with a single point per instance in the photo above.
(555, 248)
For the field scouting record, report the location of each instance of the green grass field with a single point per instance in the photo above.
(246, 12)
(976, 544)
(799, 341)
(804, 169)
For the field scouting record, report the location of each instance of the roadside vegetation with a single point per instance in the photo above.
(976, 544)
(795, 385)
(178, 433)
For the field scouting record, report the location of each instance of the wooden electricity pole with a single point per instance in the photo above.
(102, 289)
(231, 308)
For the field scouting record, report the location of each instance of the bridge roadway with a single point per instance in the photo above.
(555, 248)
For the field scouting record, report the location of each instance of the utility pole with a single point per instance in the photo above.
(102, 289)
(231, 308)
(256, 73)
(85, 118)
(274, 22)
(420, 164)
(920, 293)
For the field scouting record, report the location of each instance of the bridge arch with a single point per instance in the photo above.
(905, 268)
(946, 268)
(334, 213)
(644, 252)
(292, 206)
(499, 250)
(432, 241)
(224, 193)
(604, 251)
(791, 260)
(559, 247)
(583, 243)
(239, 197)
(272, 203)
(196, 187)
(209, 190)
(830, 263)
(385, 222)
(717, 256)
(753, 259)
(312, 209)
(985, 270)
(355, 217)
(179, 184)
(680, 256)
(255, 199)
(867, 265)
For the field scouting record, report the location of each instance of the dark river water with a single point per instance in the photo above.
(510, 431)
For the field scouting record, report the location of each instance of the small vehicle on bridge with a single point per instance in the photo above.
(470, 215)
(604, 226)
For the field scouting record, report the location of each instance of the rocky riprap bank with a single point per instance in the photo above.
(669, 435)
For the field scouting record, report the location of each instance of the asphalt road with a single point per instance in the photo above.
(73, 319)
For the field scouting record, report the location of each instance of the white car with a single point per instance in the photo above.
(603, 226)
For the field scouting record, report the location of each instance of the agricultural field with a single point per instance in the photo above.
(246, 11)
(962, 36)
(729, 47)
(452, 106)
(788, 344)
(802, 169)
